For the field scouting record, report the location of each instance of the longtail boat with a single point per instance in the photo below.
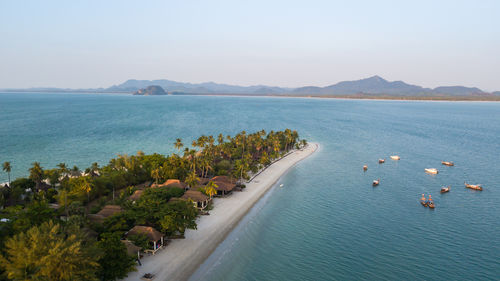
(380, 161)
(365, 168)
(474, 186)
(447, 163)
(445, 189)
(431, 205)
(395, 157)
(431, 171)
(376, 182)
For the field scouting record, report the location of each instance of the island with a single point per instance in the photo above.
(144, 209)
(151, 91)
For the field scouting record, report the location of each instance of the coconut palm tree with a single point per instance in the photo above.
(7, 168)
(178, 144)
(86, 186)
(211, 189)
(155, 173)
(192, 179)
(36, 174)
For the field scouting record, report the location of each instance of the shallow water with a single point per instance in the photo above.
(327, 221)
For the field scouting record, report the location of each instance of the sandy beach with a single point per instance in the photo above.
(182, 257)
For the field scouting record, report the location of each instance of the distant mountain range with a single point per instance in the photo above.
(375, 85)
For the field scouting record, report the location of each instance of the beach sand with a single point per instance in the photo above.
(182, 257)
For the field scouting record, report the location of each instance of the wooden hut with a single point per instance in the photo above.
(199, 199)
(153, 235)
(224, 184)
(136, 195)
(171, 183)
(106, 212)
(132, 249)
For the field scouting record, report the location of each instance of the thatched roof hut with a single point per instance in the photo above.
(136, 195)
(132, 249)
(224, 184)
(171, 183)
(110, 210)
(106, 212)
(195, 196)
(152, 234)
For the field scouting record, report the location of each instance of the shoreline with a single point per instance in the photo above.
(182, 257)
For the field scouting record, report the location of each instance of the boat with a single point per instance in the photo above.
(447, 163)
(474, 186)
(395, 157)
(445, 189)
(281, 185)
(380, 161)
(376, 182)
(365, 168)
(431, 170)
(423, 201)
(430, 203)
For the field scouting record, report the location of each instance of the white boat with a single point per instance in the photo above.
(281, 185)
(395, 157)
(431, 170)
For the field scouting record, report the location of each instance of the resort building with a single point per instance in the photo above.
(106, 212)
(154, 236)
(199, 199)
(224, 185)
(132, 249)
(171, 183)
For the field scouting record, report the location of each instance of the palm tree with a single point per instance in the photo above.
(178, 144)
(86, 186)
(7, 168)
(192, 179)
(36, 174)
(94, 168)
(211, 189)
(155, 173)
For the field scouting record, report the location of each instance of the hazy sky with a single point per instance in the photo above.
(82, 44)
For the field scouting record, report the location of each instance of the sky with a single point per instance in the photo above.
(91, 44)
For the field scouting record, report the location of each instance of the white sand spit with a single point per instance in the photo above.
(182, 257)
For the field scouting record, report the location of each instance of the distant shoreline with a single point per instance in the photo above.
(347, 97)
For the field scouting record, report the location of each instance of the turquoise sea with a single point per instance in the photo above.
(327, 222)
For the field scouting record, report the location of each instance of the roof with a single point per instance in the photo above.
(137, 194)
(223, 183)
(171, 183)
(174, 183)
(151, 233)
(132, 249)
(196, 196)
(204, 181)
(109, 210)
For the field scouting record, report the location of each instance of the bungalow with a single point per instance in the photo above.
(136, 195)
(153, 235)
(106, 212)
(224, 185)
(199, 199)
(132, 249)
(171, 183)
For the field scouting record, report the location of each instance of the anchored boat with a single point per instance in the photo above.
(474, 186)
(376, 182)
(447, 163)
(365, 168)
(445, 189)
(395, 157)
(380, 161)
(431, 170)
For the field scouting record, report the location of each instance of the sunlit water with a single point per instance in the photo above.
(327, 221)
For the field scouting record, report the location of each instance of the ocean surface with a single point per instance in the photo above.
(327, 222)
